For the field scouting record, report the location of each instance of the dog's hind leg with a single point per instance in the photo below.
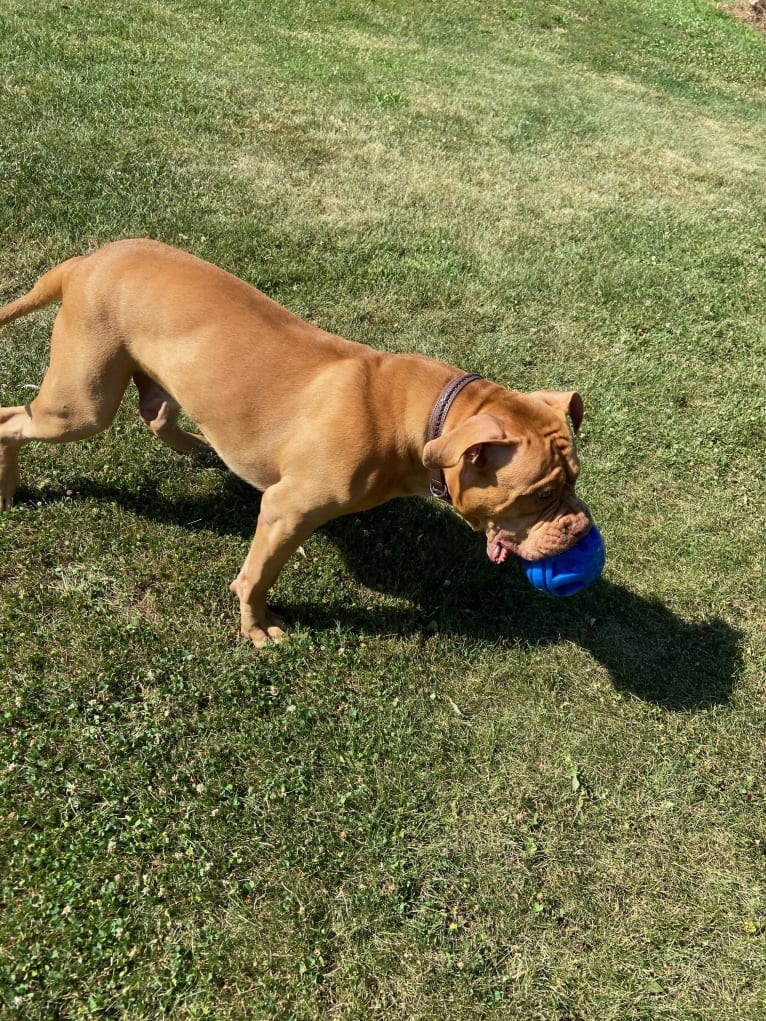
(79, 397)
(160, 413)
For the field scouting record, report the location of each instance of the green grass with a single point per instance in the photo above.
(445, 796)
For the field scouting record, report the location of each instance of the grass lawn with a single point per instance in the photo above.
(447, 796)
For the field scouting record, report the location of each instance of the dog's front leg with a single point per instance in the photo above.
(280, 531)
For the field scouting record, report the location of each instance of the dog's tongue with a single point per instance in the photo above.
(497, 551)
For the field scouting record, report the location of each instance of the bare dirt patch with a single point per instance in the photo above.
(753, 14)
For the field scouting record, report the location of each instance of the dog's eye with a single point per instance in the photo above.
(544, 495)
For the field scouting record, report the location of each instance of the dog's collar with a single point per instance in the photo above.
(438, 484)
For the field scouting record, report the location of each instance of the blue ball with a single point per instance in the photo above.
(568, 573)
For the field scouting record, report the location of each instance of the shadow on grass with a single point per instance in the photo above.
(430, 558)
(435, 568)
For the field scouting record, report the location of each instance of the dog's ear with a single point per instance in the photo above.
(466, 440)
(567, 403)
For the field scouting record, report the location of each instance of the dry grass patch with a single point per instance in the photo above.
(753, 14)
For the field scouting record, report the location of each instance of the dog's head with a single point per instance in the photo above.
(511, 471)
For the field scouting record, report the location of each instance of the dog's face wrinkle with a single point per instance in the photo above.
(501, 499)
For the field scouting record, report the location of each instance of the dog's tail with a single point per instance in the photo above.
(49, 288)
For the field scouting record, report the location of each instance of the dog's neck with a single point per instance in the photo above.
(437, 483)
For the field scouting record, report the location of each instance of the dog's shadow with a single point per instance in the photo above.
(442, 584)
(427, 555)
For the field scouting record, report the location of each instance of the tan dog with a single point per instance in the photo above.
(321, 425)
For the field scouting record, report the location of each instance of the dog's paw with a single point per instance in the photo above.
(9, 483)
(268, 629)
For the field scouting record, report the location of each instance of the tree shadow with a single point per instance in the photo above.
(442, 584)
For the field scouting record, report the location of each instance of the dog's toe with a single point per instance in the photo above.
(271, 630)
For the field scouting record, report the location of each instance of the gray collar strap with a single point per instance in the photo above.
(438, 484)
